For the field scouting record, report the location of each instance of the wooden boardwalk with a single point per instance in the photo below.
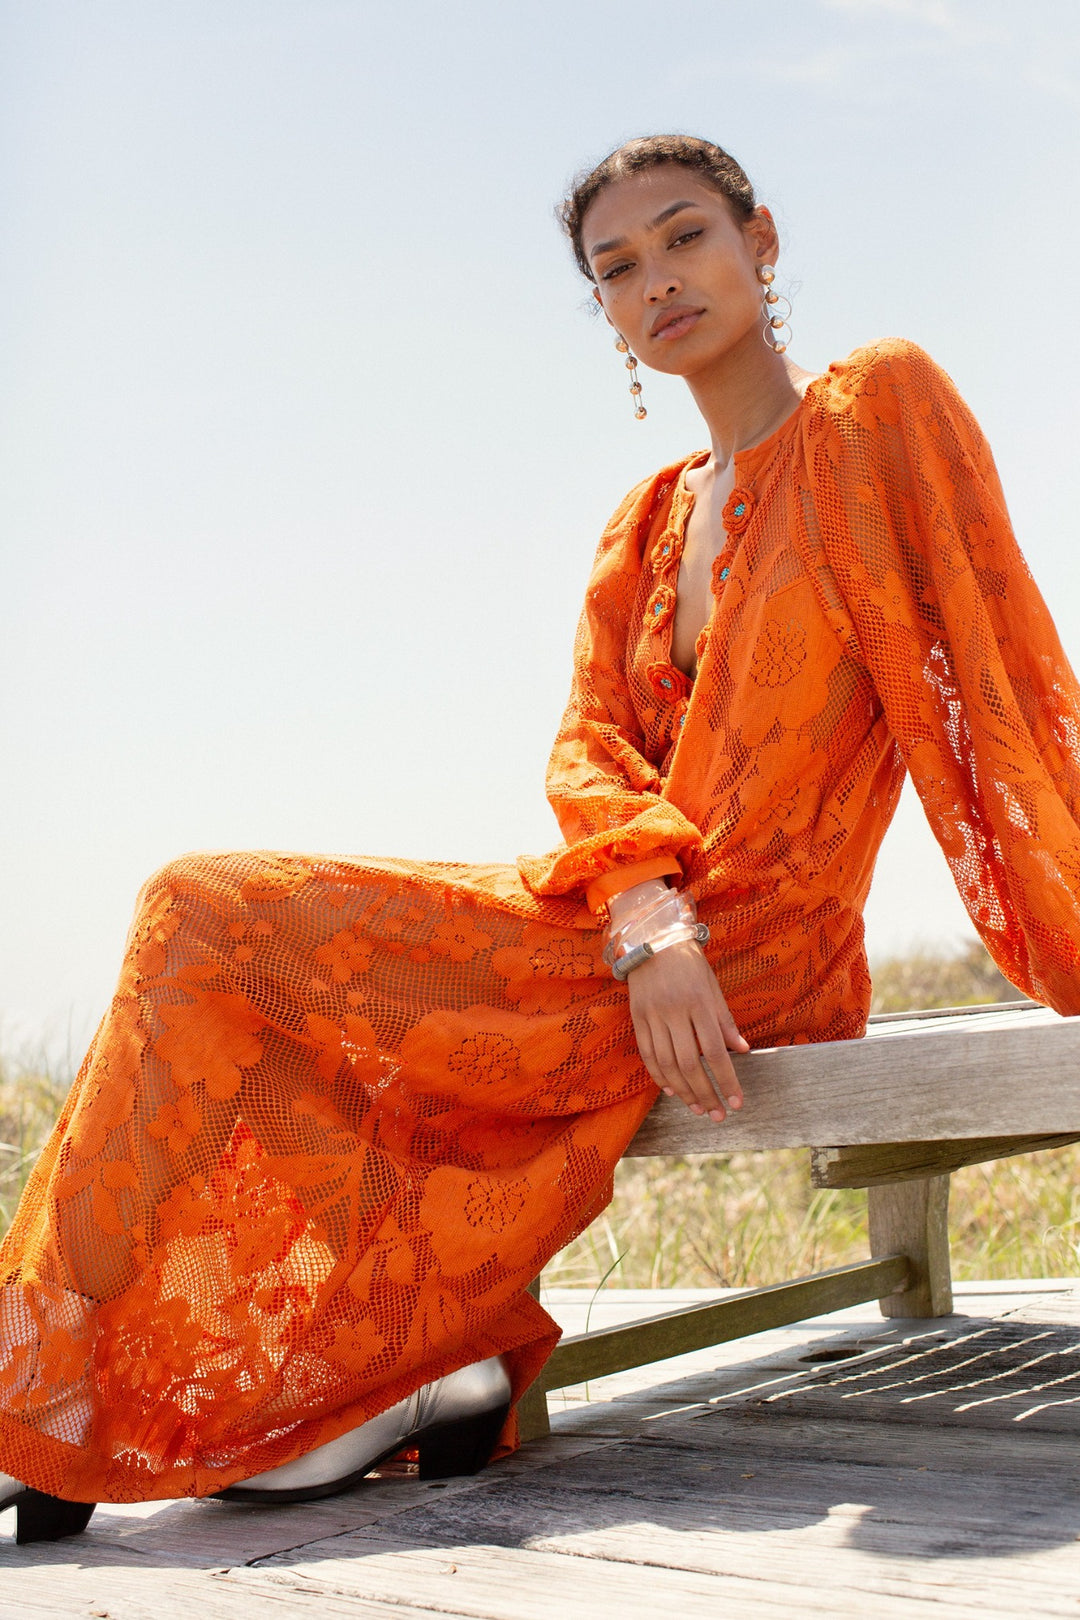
(842, 1466)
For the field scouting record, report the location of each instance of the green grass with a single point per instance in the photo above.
(747, 1219)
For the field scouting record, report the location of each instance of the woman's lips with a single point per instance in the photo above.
(676, 323)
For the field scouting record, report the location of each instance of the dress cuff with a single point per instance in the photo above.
(609, 884)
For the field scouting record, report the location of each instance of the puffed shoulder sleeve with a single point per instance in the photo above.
(968, 666)
(606, 793)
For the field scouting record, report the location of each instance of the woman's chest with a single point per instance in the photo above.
(703, 539)
(739, 608)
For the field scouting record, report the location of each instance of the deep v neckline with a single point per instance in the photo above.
(748, 464)
(683, 502)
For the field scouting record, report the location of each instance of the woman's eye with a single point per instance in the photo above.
(685, 236)
(614, 270)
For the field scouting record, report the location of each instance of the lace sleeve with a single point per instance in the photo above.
(968, 666)
(605, 791)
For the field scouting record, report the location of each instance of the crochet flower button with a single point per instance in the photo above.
(720, 571)
(668, 683)
(738, 511)
(661, 608)
(678, 720)
(668, 551)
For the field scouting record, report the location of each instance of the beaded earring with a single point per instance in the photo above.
(776, 319)
(635, 387)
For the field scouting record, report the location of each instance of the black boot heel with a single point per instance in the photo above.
(47, 1518)
(461, 1447)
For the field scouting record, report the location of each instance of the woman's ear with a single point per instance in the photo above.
(600, 301)
(761, 228)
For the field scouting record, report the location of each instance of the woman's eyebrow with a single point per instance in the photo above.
(661, 219)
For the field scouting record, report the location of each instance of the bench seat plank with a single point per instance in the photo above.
(1001, 1071)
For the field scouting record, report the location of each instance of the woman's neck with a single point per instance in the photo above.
(746, 396)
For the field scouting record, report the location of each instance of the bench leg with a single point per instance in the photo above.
(912, 1218)
(533, 1421)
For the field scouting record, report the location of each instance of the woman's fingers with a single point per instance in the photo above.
(665, 1064)
(716, 1062)
(685, 1031)
(692, 1083)
(733, 1040)
(646, 1047)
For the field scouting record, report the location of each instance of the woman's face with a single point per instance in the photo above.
(675, 272)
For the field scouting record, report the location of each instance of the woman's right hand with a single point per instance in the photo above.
(684, 1030)
(683, 1027)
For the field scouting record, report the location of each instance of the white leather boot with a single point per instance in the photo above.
(454, 1424)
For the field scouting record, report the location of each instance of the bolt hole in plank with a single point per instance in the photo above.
(872, 1347)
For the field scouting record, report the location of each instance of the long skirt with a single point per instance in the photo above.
(335, 1120)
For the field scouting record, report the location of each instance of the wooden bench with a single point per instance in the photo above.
(897, 1112)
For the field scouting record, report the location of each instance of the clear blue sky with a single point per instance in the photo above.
(307, 435)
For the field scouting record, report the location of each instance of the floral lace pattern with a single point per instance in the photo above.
(339, 1113)
(338, 1116)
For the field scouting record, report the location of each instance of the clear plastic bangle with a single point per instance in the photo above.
(664, 920)
(625, 964)
(652, 917)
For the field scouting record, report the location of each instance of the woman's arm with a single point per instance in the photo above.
(606, 793)
(965, 658)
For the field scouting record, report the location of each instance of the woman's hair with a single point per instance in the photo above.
(715, 166)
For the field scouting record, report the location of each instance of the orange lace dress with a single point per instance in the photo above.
(340, 1112)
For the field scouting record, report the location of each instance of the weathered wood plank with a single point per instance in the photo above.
(868, 1166)
(53, 1591)
(704, 1487)
(1001, 1072)
(496, 1582)
(923, 1015)
(592, 1355)
(836, 1528)
(912, 1218)
(532, 1584)
(746, 1437)
(817, 1502)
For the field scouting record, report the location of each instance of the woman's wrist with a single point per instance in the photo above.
(656, 921)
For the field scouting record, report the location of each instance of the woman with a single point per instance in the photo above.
(340, 1113)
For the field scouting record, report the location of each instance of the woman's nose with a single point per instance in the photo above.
(661, 287)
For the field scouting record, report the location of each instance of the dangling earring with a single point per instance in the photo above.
(635, 387)
(775, 318)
